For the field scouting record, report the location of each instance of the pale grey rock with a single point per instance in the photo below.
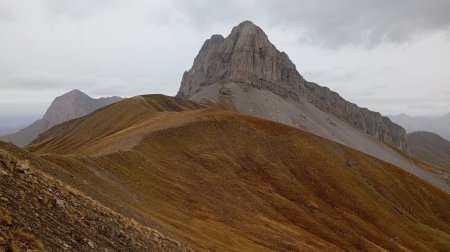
(60, 202)
(66, 107)
(246, 56)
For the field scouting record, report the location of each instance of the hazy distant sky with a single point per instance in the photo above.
(389, 56)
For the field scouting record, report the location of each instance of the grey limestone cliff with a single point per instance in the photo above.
(246, 60)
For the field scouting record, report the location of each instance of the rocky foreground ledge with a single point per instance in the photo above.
(38, 213)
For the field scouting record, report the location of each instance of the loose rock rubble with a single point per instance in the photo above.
(38, 213)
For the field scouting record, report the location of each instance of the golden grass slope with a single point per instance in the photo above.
(222, 181)
(39, 213)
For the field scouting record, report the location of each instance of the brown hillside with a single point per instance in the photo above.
(113, 121)
(39, 213)
(222, 181)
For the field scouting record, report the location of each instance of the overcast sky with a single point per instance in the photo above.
(389, 56)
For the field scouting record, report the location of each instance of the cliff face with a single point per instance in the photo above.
(66, 107)
(246, 58)
(372, 123)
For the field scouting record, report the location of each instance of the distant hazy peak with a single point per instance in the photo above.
(75, 93)
(65, 107)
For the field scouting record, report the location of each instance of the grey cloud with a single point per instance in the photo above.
(34, 80)
(6, 14)
(333, 23)
(117, 47)
(76, 10)
(39, 81)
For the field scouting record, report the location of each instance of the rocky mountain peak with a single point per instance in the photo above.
(247, 72)
(246, 56)
(74, 104)
(248, 35)
(65, 107)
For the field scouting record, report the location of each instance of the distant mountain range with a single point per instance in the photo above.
(68, 106)
(437, 124)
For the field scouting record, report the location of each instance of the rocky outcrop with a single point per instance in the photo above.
(246, 56)
(248, 59)
(68, 106)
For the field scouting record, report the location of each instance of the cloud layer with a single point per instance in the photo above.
(390, 56)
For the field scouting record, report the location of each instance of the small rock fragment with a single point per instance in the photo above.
(23, 166)
(91, 244)
(60, 202)
(2, 172)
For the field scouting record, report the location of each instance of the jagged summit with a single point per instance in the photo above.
(247, 24)
(246, 56)
(246, 72)
(248, 32)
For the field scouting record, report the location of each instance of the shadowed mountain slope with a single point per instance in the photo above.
(68, 106)
(430, 148)
(223, 181)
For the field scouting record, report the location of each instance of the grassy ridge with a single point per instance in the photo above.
(228, 182)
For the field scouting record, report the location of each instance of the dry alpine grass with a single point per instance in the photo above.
(39, 213)
(222, 181)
